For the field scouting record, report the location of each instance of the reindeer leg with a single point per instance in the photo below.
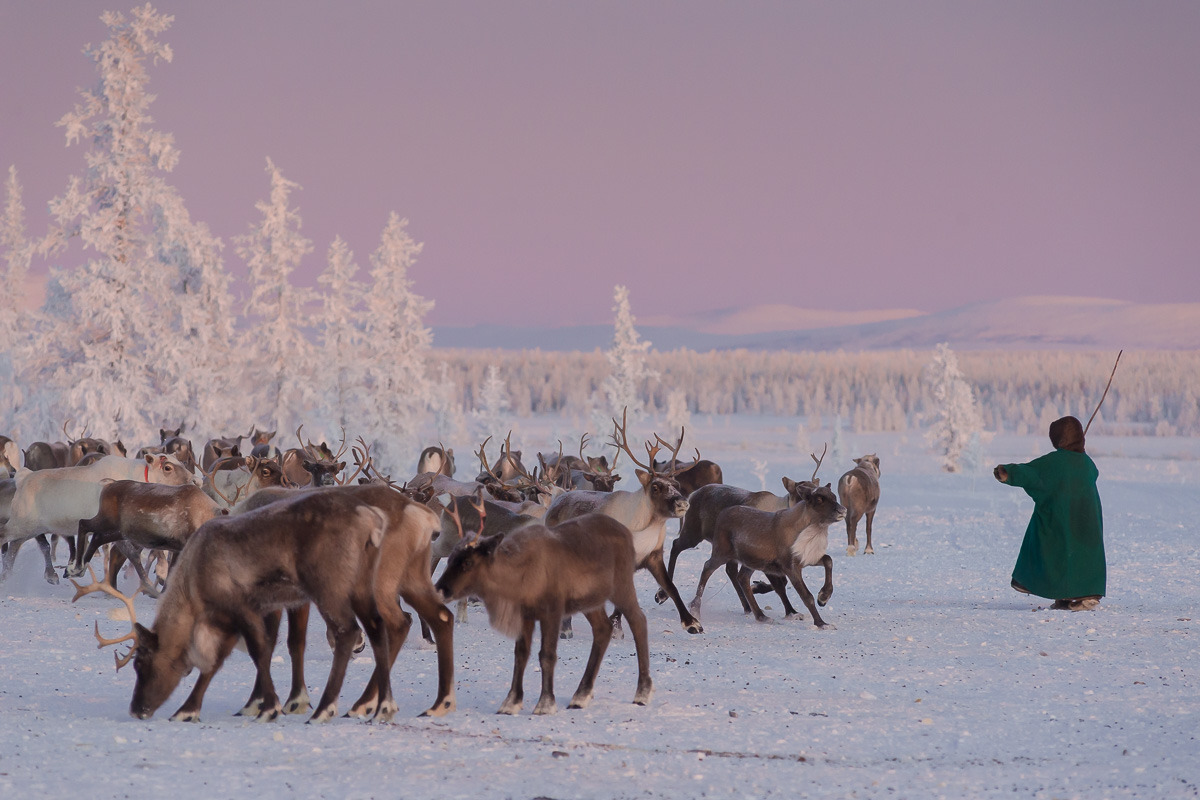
(9, 557)
(134, 555)
(254, 704)
(851, 534)
(516, 693)
(826, 590)
(626, 603)
(190, 710)
(429, 607)
(710, 566)
(678, 545)
(345, 634)
(870, 518)
(261, 646)
(548, 659)
(797, 579)
(731, 570)
(654, 563)
(376, 700)
(602, 632)
(779, 584)
(298, 701)
(44, 545)
(742, 582)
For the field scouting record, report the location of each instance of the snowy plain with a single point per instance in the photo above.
(939, 680)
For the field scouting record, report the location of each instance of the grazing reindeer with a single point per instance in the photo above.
(858, 491)
(148, 516)
(645, 512)
(779, 543)
(438, 460)
(350, 550)
(540, 575)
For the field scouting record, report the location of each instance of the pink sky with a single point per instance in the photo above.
(706, 154)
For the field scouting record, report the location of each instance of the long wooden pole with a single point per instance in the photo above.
(1110, 379)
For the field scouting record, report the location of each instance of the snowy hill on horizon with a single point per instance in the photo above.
(1020, 323)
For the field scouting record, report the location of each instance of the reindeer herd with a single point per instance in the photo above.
(231, 542)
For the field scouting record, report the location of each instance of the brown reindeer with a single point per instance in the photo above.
(707, 502)
(779, 543)
(858, 491)
(645, 512)
(349, 550)
(136, 516)
(539, 575)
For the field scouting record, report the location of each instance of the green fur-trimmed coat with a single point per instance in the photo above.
(1062, 556)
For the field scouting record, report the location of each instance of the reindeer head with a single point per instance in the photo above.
(158, 673)
(824, 506)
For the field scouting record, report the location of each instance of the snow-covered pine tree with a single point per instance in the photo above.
(197, 348)
(678, 415)
(955, 413)
(625, 385)
(116, 372)
(282, 354)
(17, 252)
(340, 375)
(398, 343)
(492, 408)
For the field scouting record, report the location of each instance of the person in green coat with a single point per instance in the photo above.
(1062, 555)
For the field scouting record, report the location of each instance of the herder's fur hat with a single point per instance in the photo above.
(1066, 433)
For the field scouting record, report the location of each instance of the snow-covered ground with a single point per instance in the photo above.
(939, 680)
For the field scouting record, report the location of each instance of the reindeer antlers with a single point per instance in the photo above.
(818, 460)
(107, 588)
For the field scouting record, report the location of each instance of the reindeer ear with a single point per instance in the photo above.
(643, 476)
(149, 458)
(788, 484)
(147, 640)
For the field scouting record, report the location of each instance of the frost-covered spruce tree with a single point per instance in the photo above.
(678, 414)
(492, 410)
(17, 252)
(340, 377)
(282, 354)
(121, 377)
(625, 385)
(398, 343)
(955, 412)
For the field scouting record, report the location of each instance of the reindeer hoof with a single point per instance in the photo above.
(323, 715)
(510, 707)
(660, 597)
(442, 709)
(251, 708)
(794, 615)
(580, 701)
(545, 707)
(298, 705)
(870, 551)
(269, 714)
(361, 711)
(642, 698)
(694, 627)
(185, 716)
(566, 634)
(851, 551)
(52, 577)
(825, 626)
